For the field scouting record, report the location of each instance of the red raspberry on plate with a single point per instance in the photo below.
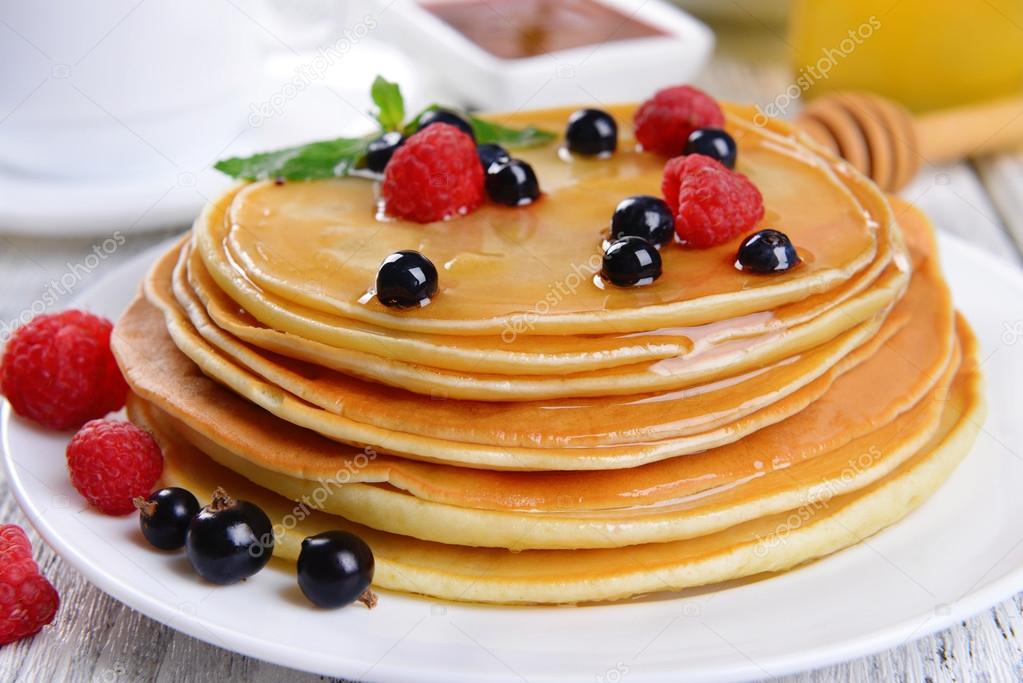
(58, 370)
(665, 121)
(711, 203)
(14, 544)
(434, 175)
(27, 600)
(111, 462)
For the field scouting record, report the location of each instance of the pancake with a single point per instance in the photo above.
(269, 322)
(853, 465)
(768, 544)
(712, 360)
(605, 420)
(221, 420)
(350, 346)
(311, 244)
(242, 306)
(143, 342)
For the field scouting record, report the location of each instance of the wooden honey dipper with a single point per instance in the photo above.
(883, 140)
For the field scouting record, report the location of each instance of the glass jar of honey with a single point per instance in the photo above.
(927, 54)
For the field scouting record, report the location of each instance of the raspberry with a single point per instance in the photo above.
(711, 203)
(665, 121)
(27, 600)
(14, 543)
(58, 370)
(434, 175)
(111, 462)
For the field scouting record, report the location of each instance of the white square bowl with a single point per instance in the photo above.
(612, 71)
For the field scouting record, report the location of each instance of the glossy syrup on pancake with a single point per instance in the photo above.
(738, 353)
(137, 345)
(264, 320)
(317, 244)
(604, 419)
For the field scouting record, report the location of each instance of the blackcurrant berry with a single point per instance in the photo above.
(631, 261)
(714, 143)
(380, 151)
(643, 216)
(591, 132)
(445, 116)
(229, 540)
(335, 569)
(513, 183)
(406, 279)
(767, 251)
(491, 154)
(164, 516)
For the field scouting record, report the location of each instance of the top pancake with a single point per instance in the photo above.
(319, 244)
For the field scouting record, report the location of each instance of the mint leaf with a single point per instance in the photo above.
(488, 131)
(390, 105)
(325, 159)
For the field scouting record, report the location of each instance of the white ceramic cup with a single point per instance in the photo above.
(123, 88)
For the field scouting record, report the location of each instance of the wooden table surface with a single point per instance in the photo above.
(95, 638)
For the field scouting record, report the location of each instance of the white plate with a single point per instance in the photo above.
(956, 555)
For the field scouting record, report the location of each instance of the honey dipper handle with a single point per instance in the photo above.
(973, 130)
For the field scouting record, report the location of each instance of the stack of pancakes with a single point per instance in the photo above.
(534, 435)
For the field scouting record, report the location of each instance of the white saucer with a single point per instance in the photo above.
(51, 208)
(333, 104)
(956, 555)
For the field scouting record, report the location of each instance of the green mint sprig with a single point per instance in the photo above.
(390, 105)
(513, 138)
(314, 161)
(339, 157)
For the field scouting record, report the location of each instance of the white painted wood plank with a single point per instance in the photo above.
(957, 202)
(1003, 178)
